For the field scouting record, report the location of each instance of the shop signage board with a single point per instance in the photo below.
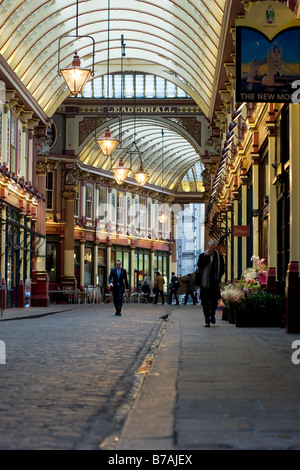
(268, 55)
(241, 230)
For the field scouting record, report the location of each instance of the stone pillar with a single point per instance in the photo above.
(21, 288)
(3, 267)
(83, 201)
(42, 169)
(108, 261)
(170, 264)
(68, 279)
(229, 229)
(272, 226)
(132, 267)
(292, 316)
(236, 245)
(82, 252)
(256, 213)
(294, 142)
(244, 179)
(152, 264)
(95, 263)
(40, 278)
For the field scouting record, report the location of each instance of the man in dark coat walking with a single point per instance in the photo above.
(118, 283)
(211, 264)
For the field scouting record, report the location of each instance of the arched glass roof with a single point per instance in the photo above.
(166, 158)
(172, 39)
(175, 41)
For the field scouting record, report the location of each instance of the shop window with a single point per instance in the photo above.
(77, 263)
(128, 211)
(49, 189)
(19, 158)
(142, 212)
(101, 256)
(136, 213)
(101, 203)
(76, 203)
(89, 201)
(161, 264)
(113, 208)
(51, 261)
(13, 144)
(88, 266)
(149, 215)
(120, 208)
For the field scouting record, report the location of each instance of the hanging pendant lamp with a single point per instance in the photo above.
(141, 177)
(120, 172)
(76, 77)
(108, 143)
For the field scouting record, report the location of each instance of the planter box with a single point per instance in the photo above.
(260, 319)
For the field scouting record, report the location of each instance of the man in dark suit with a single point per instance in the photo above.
(118, 283)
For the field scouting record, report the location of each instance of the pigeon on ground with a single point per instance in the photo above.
(164, 317)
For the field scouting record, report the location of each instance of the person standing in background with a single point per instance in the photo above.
(158, 288)
(211, 263)
(119, 284)
(190, 289)
(174, 286)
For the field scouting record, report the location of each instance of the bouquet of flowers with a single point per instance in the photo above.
(261, 269)
(253, 278)
(231, 294)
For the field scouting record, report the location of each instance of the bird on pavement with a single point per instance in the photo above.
(165, 317)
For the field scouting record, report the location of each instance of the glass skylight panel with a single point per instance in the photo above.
(149, 86)
(139, 86)
(160, 87)
(129, 91)
(146, 86)
(117, 86)
(171, 90)
(109, 88)
(98, 87)
(181, 93)
(87, 91)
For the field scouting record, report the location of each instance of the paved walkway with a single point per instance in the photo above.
(217, 388)
(207, 388)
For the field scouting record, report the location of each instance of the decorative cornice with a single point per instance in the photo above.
(69, 195)
(42, 168)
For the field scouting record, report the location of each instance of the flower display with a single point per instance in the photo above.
(261, 269)
(232, 294)
(253, 278)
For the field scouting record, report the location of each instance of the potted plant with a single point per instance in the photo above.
(260, 309)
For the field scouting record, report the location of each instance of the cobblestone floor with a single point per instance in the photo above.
(69, 377)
